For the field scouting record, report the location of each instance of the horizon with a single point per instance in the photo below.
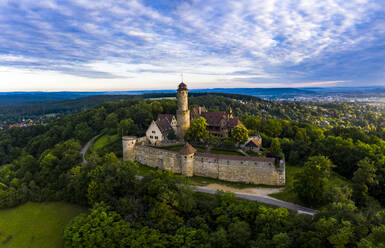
(198, 89)
(95, 46)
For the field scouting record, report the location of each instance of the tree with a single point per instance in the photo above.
(111, 121)
(364, 177)
(83, 132)
(239, 233)
(334, 233)
(219, 239)
(101, 228)
(127, 127)
(310, 183)
(275, 148)
(270, 222)
(240, 134)
(111, 180)
(197, 130)
(374, 240)
(281, 240)
(156, 108)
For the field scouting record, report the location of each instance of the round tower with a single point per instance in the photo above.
(128, 147)
(187, 160)
(182, 113)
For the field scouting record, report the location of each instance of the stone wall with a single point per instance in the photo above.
(223, 167)
(239, 169)
(158, 158)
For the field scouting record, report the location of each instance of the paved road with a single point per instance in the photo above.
(85, 148)
(269, 201)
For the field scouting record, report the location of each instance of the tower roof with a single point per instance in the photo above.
(182, 86)
(187, 149)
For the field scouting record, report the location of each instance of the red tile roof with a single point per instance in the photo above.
(164, 126)
(168, 117)
(233, 122)
(214, 118)
(187, 149)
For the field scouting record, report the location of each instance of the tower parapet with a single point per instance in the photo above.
(182, 113)
(129, 147)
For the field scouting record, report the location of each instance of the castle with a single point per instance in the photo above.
(189, 162)
(166, 127)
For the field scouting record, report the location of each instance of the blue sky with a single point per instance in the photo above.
(96, 45)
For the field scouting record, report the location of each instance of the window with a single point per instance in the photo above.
(156, 137)
(151, 137)
(153, 131)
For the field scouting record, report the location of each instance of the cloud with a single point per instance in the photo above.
(273, 42)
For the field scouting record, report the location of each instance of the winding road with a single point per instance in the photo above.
(262, 199)
(85, 148)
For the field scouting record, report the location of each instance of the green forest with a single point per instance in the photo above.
(42, 163)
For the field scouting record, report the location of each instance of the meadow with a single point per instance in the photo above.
(36, 225)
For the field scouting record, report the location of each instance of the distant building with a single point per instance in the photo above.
(218, 123)
(197, 112)
(159, 130)
(253, 144)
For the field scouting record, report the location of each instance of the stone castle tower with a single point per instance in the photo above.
(183, 113)
(129, 147)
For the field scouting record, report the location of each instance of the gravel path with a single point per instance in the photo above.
(263, 199)
(263, 192)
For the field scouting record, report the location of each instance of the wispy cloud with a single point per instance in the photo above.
(274, 42)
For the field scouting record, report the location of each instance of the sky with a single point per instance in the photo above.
(105, 45)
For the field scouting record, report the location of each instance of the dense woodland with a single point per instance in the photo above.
(43, 163)
(47, 110)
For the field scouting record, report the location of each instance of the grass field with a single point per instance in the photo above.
(177, 148)
(290, 196)
(104, 140)
(36, 225)
(100, 143)
(225, 152)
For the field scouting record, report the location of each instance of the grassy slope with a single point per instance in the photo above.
(177, 148)
(104, 140)
(36, 225)
(101, 143)
(289, 195)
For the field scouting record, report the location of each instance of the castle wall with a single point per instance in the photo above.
(158, 158)
(223, 167)
(247, 170)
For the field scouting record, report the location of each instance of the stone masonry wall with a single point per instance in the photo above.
(223, 167)
(158, 158)
(236, 169)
